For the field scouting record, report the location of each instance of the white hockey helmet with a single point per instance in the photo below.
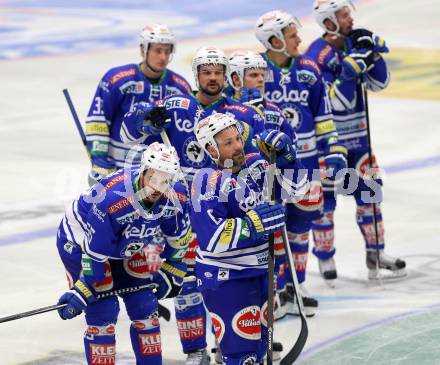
(326, 9)
(208, 56)
(271, 24)
(156, 33)
(160, 157)
(208, 128)
(240, 61)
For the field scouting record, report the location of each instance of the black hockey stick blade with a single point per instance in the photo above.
(295, 351)
(164, 313)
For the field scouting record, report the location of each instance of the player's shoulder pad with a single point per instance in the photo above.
(119, 75)
(324, 54)
(180, 81)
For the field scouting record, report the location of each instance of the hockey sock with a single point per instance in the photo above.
(365, 221)
(324, 237)
(299, 244)
(100, 344)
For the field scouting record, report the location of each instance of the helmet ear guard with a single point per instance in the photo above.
(271, 24)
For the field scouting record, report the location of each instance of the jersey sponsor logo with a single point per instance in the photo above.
(68, 247)
(98, 213)
(175, 195)
(312, 64)
(273, 117)
(143, 232)
(218, 325)
(247, 323)
(120, 204)
(323, 54)
(100, 128)
(150, 344)
(181, 82)
(193, 154)
(313, 199)
(131, 249)
(132, 87)
(262, 258)
(191, 329)
(240, 108)
(251, 201)
(306, 76)
(288, 96)
(120, 75)
(137, 266)
(102, 354)
(176, 102)
(183, 125)
(129, 217)
(115, 180)
(223, 274)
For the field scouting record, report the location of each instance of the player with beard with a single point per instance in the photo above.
(178, 115)
(348, 59)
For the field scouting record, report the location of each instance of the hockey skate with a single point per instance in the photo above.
(327, 268)
(288, 298)
(199, 357)
(390, 268)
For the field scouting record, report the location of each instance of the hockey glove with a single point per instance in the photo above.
(265, 219)
(364, 39)
(281, 142)
(76, 299)
(151, 119)
(251, 97)
(335, 160)
(101, 167)
(357, 63)
(170, 279)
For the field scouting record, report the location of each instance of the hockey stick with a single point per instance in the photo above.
(50, 308)
(163, 311)
(295, 351)
(271, 263)
(370, 163)
(76, 119)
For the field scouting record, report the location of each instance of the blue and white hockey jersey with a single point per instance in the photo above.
(346, 95)
(185, 112)
(298, 90)
(119, 89)
(220, 200)
(109, 221)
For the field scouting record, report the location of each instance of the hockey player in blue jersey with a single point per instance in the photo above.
(123, 86)
(230, 213)
(348, 58)
(178, 116)
(210, 67)
(104, 242)
(294, 83)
